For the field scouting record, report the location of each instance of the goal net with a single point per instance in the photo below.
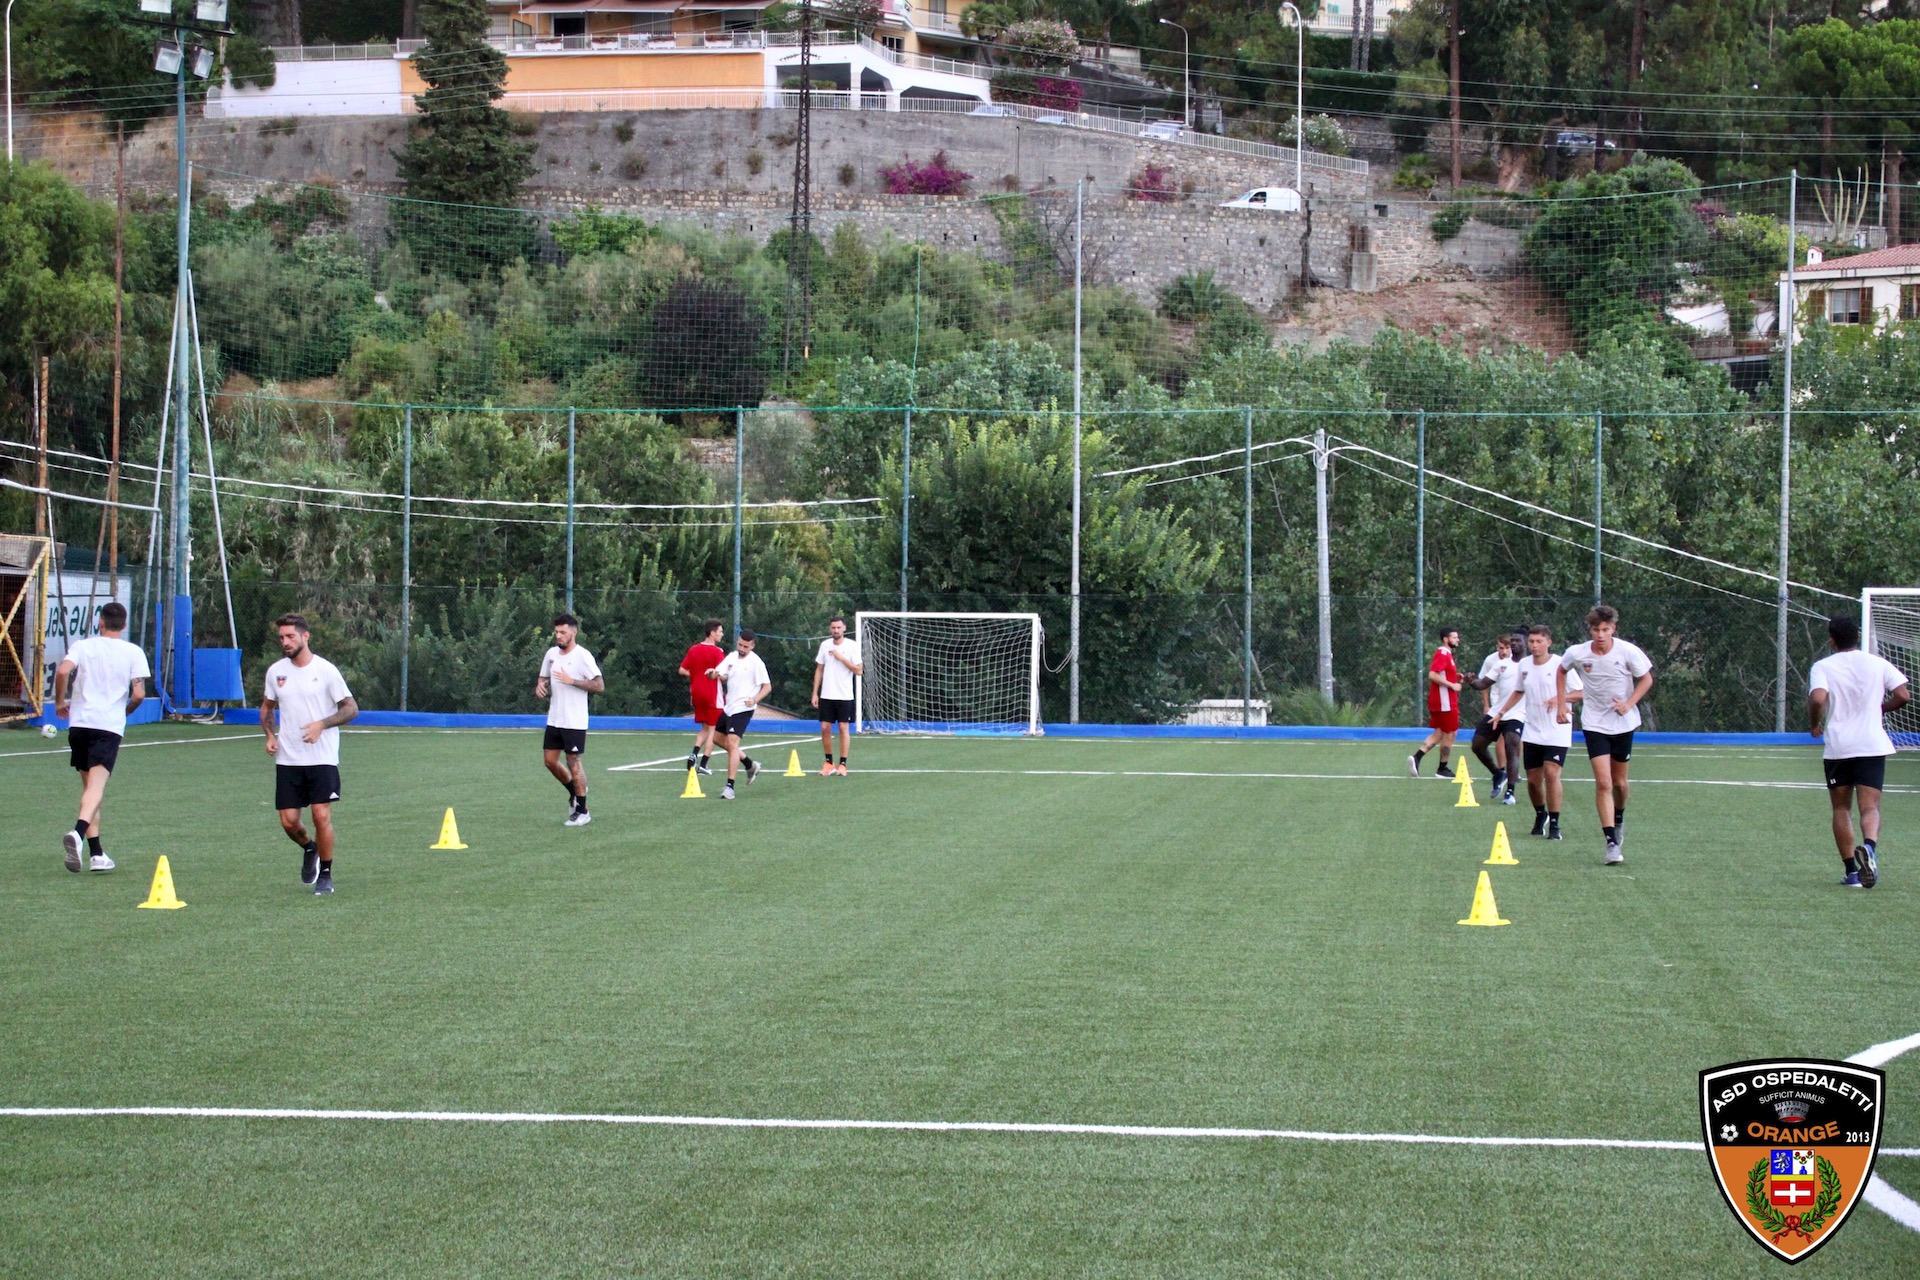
(948, 673)
(1890, 627)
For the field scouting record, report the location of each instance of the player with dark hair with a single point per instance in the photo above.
(834, 667)
(1443, 705)
(306, 692)
(1848, 695)
(701, 657)
(1617, 674)
(743, 682)
(1546, 734)
(1499, 730)
(108, 679)
(568, 674)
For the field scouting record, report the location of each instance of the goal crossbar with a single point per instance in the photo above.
(957, 673)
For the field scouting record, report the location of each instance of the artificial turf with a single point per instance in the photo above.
(1088, 932)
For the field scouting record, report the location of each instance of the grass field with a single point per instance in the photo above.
(1167, 933)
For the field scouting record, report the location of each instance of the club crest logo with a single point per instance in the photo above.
(280, 681)
(1792, 1143)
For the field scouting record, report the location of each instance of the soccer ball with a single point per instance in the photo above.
(49, 731)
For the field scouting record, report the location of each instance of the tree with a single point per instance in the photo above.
(1869, 78)
(463, 166)
(1611, 244)
(703, 349)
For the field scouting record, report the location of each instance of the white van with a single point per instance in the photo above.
(1278, 199)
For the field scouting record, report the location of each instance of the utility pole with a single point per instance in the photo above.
(1453, 85)
(800, 221)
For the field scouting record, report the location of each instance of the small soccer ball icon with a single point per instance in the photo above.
(1728, 1133)
(48, 731)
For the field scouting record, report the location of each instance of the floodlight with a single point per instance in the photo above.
(156, 6)
(202, 62)
(211, 10)
(166, 58)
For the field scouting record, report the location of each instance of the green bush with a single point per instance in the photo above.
(1416, 173)
(1447, 223)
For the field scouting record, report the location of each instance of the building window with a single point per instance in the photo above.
(1843, 306)
(896, 43)
(1910, 302)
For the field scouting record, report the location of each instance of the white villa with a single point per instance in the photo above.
(1880, 288)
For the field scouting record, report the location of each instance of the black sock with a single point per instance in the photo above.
(80, 828)
(746, 762)
(579, 804)
(326, 866)
(1612, 834)
(93, 846)
(567, 787)
(829, 757)
(1851, 864)
(843, 759)
(1539, 811)
(1418, 756)
(703, 761)
(1553, 819)
(310, 847)
(1620, 817)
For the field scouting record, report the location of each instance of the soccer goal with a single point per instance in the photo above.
(1890, 627)
(948, 673)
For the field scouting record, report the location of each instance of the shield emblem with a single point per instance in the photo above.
(1792, 1143)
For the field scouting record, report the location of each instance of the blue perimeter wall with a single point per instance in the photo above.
(1300, 732)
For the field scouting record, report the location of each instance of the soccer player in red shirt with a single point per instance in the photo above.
(704, 656)
(1443, 705)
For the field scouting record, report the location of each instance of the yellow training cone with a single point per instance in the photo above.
(449, 834)
(1484, 911)
(793, 766)
(160, 897)
(1502, 855)
(1466, 800)
(693, 791)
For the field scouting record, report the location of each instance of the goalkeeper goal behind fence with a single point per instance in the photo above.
(948, 673)
(1890, 627)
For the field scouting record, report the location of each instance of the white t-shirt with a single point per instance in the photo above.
(1505, 674)
(306, 694)
(104, 670)
(741, 676)
(1609, 678)
(1857, 686)
(1537, 680)
(567, 704)
(836, 681)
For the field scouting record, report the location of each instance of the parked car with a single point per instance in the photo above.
(993, 109)
(1572, 142)
(1164, 130)
(1051, 119)
(1278, 199)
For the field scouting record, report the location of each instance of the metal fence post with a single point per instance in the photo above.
(1599, 497)
(1420, 539)
(1321, 458)
(570, 441)
(1073, 586)
(906, 501)
(406, 550)
(1788, 307)
(739, 490)
(1246, 555)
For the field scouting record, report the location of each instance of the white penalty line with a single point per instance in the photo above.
(654, 764)
(128, 746)
(894, 1126)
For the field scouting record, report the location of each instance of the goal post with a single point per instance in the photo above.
(1890, 627)
(948, 673)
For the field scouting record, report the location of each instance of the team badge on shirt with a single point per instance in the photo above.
(1792, 1143)
(279, 680)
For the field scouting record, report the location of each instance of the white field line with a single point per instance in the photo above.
(1880, 1193)
(1570, 779)
(128, 746)
(654, 764)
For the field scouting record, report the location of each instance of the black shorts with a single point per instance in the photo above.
(836, 711)
(1617, 745)
(1512, 727)
(571, 741)
(87, 748)
(1857, 771)
(1535, 755)
(735, 724)
(299, 786)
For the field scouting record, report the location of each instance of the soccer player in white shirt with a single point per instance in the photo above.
(1545, 734)
(1500, 730)
(108, 679)
(1849, 693)
(570, 673)
(743, 683)
(1617, 674)
(834, 667)
(307, 693)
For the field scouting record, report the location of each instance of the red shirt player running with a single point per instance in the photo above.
(704, 656)
(1443, 705)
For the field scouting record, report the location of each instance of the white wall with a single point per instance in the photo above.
(368, 87)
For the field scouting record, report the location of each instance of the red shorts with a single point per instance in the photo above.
(708, 714)
(1444, 721)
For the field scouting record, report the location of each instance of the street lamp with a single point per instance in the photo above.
(1299, 98)
(9, 81)
(1186, 44)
